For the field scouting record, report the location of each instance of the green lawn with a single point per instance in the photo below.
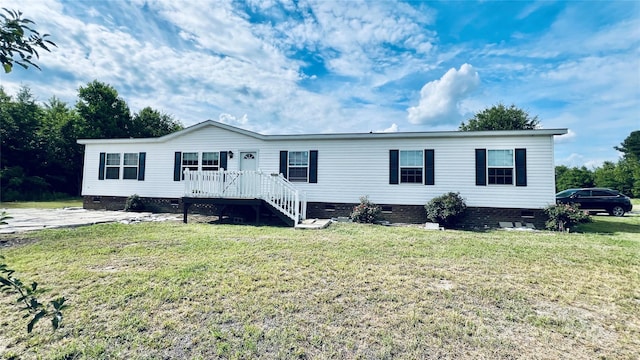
(199, 291)
(55, 204)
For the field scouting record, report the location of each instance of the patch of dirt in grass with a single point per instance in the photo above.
(201, 219)
(124, 264)
(117, 265)
(579, 321)
(14, 240)
(444, 284)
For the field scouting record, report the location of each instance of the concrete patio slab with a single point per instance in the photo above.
(314, 224)
(37, 219)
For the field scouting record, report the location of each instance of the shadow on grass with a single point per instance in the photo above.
(611, 225)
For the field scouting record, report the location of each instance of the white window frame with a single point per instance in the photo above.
(298, 165)
(410, 165)
(215, 166)
(112, 161)
(184, 162)
(501, 165)
(128, 165)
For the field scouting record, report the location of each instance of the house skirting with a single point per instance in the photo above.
(152, 204)
(474, 217)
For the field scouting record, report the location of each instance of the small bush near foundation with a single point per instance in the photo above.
(564, 216)
(366, 211)
(446, 209)
(134, 203)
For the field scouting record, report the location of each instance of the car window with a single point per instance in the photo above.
(602, 193)
(566, 193)
(583, 193)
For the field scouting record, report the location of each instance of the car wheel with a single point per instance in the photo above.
(617, 211)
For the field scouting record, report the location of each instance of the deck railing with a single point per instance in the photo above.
(272, 188)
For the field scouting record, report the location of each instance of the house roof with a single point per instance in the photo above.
(338, 136)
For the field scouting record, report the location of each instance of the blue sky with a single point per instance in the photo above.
(351, 66)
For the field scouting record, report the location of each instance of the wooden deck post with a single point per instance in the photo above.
(185, 209)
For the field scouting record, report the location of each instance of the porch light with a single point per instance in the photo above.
(230, 154)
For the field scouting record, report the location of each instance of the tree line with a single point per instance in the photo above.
(40, 159)
(623, 175)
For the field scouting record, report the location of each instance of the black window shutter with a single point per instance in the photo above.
(429, 167)
(313, 166)
(177, 166)
(223, 160)
(394, 166)
(101, 168)
(521, 167)
(481, 167)
(283, 163)
(142, 157)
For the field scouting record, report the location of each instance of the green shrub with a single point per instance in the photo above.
(564, 216)
(366, 211)
(446, 209)
(134, 203)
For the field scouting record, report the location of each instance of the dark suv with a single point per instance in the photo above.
(596, 199)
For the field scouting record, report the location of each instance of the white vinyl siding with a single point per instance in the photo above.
(350, 168)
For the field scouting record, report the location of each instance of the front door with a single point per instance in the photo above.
(249, 183)
(249, 161)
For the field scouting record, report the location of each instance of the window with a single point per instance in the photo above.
(500, 167)
(189, 161)
(298, 165)
(130, 169)
(583, 193)
(412, 167)
(113, 166)
(602, 193)
(132, 166)
(210, 161)
(411, 163)
(194, 161)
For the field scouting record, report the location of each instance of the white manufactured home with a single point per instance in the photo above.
(502, 175)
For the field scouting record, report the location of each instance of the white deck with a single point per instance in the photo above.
(272, 188)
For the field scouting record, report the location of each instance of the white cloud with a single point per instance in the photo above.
(439, 99)
(354, 38)
(530, 9)
(233, 120)
(225, 64)
(579, 160)
(391, 129)
(573, 160)
(568, 137)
